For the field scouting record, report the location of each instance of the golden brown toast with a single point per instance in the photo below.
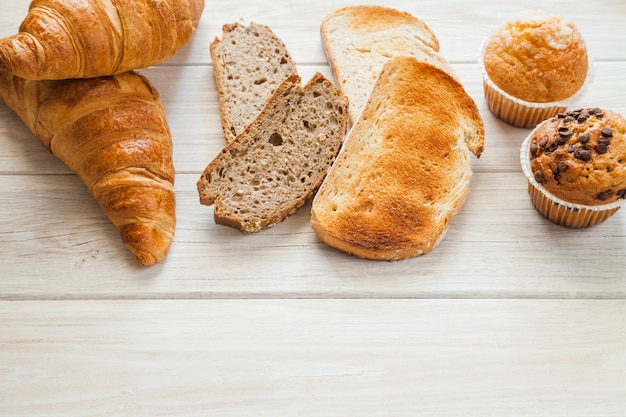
(405, 169)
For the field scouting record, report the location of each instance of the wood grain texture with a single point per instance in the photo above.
(489, 252)
(313, 358)
(509, 316)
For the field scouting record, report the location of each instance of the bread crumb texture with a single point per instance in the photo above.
(358, 40)
(278, 162)
(249, 63)
(374, 19)
(537, 57)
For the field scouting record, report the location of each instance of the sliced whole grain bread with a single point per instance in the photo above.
(249, 62)
(404, 169)
(280, 159)
(358, 40)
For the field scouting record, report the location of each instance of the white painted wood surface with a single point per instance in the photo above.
(509, 316)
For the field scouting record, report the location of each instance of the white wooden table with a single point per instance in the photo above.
(509, 316)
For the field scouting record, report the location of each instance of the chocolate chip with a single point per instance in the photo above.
(565, 132)
(582, 118)
(538, 176)
(552, 147)
(601, 148)
(533, 148)
(568, 119)
(604, 141)
(582, 154)
(544, 141)
(607, 132)
(621, 193)
(562, 166)
(597, 112)
(604, 195)
(584, 138)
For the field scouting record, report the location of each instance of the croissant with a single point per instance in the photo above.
(112, 131)
(62, 39)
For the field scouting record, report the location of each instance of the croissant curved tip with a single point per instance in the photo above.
(18, 56)
(4, 59)
(148, 243)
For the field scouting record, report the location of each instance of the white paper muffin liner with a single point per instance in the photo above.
(521, 113)
(557, 210)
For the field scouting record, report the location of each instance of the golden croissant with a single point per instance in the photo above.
(62, 39)
(112, 131)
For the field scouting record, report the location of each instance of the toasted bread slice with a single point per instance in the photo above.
(280, 159)
(404, 170)
(358, 40)
(249, 63)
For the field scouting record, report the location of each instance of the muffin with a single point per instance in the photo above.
(533, 67)
(575, 163)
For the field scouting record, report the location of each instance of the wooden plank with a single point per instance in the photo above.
(56, 243)
(313, 357)
(509, 316)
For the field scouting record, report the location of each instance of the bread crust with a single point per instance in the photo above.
(358, 40)
(280, 159)
(249, 63)
(404, 170)
(366, 19)
(85, 39)
(113, 132)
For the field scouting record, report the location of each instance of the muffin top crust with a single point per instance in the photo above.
(537, 57)
(580, 156)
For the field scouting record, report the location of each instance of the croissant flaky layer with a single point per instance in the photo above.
(112, 131)
(61, 39)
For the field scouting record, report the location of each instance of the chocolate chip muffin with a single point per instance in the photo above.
(578, 158)
(531, 63)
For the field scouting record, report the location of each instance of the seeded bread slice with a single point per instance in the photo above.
(249, 62)
(358, 40)
(404, 169)
(280, 159)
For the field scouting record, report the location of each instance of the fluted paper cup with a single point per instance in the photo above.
(521, 113)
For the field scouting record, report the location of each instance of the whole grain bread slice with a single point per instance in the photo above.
(249, 63)
(404, 169)
(358, 40)
(280, 159)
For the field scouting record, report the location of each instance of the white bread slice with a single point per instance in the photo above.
(280, 159)
(358, 40)
(249, 62)
(404, 169)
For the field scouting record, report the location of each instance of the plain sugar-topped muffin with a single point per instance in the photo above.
(537, 57)
(534, 66)
(580, 156)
